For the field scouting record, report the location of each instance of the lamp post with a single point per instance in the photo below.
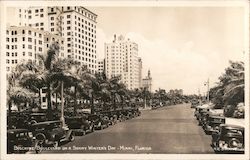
(207, 84)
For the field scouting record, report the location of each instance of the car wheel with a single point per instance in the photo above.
(71, 138)
(55, 144)
(233, 143)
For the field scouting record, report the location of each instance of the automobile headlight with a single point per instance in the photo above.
(30, 134)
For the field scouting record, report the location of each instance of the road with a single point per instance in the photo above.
(171, 129)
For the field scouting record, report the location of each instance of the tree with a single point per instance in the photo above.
(229, 91)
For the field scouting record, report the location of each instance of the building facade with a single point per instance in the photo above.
(25, 43)
(121, 59)
(77, 25)
(101, 65)
(147, 82)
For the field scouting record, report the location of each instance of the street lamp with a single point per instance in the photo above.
(207, 84)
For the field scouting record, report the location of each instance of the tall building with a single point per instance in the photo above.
(77, 25)
(101, 65)
(25, 43)
(121, 57)
(147, 82)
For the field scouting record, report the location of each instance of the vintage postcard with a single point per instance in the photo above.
(125, 80)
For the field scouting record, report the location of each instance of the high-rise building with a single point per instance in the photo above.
(101, 65)
(121, 59)
(77, 25)
(25, 43)
(147, 82)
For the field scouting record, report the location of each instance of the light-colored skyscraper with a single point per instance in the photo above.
(77, 25)
(121, 57)
(25, 43)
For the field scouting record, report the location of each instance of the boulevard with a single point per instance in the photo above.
(170, 129)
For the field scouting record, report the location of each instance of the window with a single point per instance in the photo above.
(7, 61)
(40, 42)
(68, 33)
(52, 29)
(41, 15)
(44, 99)
(68, 28)
(23, 31)
(68, 22)
(40, 49)
(52, 9)
(36, 11)
(30, 46)
(29, 32)
(29, 17)
(23, 53)
(15, 60)
(7, 39)
(52, 24)
(68, 16)
(7, 46)
(40, 35)
(30, 54)
(8, 54)
(29, 39)
(41, 24)
(23, 45)
(41, 10)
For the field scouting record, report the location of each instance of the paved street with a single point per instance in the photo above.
(171, 129)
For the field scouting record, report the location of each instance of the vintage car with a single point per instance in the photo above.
(18, 140)
(201, 111)
(213, 119)
(79, 125)
(229, 139)
(213, 123)
(194, 104)
(99, 121)
(50, 133)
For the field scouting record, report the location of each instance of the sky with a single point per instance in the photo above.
(182, 46)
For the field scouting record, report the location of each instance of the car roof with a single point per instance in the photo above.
(16, 130)
(37, 114)
(232, 126)
(46, 122)
(235, 121)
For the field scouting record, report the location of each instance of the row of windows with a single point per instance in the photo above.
(23, 32)
(13, 61)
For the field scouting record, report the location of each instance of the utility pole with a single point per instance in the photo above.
(207, 84)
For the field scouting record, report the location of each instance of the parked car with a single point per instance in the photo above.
(229, 139)
(50, 133)
(21, 138)
(213, 123)
(79, 124)
(99, 121)
(214, 118)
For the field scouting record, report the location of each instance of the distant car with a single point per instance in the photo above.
(99, 121)
(194, 104)
(50, 133)
(229, 139)
(19, 138)
(79, 124)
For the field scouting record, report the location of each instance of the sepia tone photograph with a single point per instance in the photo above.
(115, 80)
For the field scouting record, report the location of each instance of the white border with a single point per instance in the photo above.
(223, 3)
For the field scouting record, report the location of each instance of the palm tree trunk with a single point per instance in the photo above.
(49, 107)
(114, 102)
(92, 110)
(10, 114)
(56, 101)
(75, 102)
(62, 105)
(40, 99)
